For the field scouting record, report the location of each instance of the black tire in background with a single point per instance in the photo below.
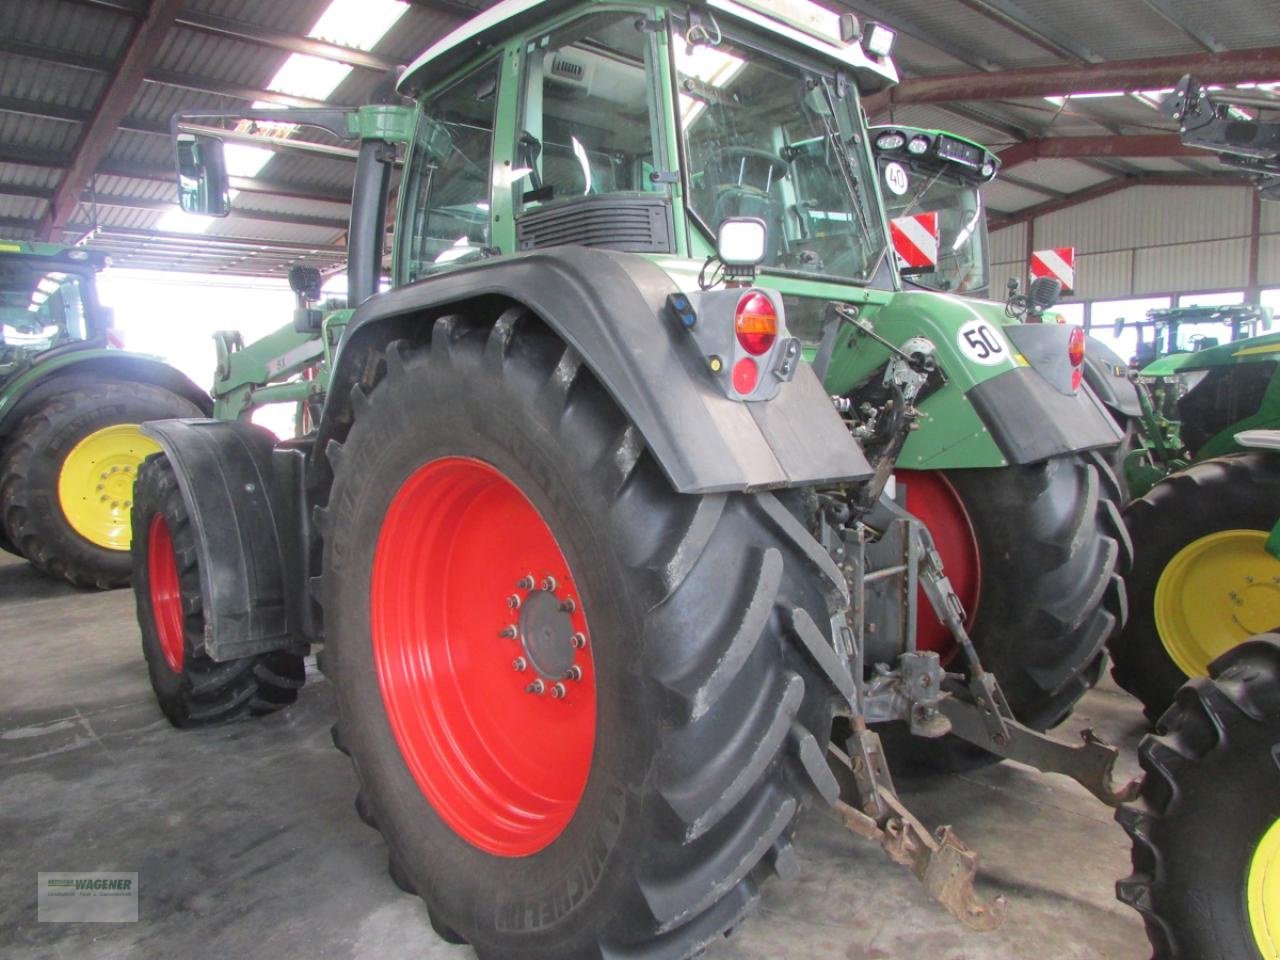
(714, 673)
(1210, 798)
(1052, 549)
(30, 510)
(1236, 492)
(191, 688)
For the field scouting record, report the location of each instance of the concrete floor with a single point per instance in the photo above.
(247, 844)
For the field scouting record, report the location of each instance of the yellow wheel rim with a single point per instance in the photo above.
(1264, 894)
(1214, 594)
(95, 484)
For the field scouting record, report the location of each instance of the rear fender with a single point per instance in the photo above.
(243, 495)
(612, 309)
(994, 409)
(1107, 375)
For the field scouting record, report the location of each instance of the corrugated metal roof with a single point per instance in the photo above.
(940, 37)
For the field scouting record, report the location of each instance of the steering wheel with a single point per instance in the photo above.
(732, 159)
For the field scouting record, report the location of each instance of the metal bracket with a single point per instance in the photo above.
(940, 861)
(1091, 764)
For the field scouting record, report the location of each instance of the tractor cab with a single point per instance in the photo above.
(1192, 329)
(48, 299)
(931, 183)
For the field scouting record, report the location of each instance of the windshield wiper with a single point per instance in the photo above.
(845, 167)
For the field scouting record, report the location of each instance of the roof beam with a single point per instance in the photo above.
(1234, 66)
(97, 134)
(1075, 148)
(1032, 28)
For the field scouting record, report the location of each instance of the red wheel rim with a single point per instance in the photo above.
(503, 766)
(931, 497)
(166, 592)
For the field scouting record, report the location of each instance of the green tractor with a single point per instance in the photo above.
(594, 512)
(70, 409)
(997, 514)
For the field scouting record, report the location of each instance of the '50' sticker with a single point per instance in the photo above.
(982, 343)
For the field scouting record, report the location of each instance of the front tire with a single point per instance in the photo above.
(1202, 581)
(1206, 829)
(191, 688)
(66, 480)
(677, 763)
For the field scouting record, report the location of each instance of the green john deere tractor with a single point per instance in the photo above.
(70, 406)
(593, 510)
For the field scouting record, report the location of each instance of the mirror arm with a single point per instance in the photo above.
(336, 121)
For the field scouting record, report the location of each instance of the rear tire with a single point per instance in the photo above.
(32, 505)
(1051, 548)
(711, 664)
(191, 688)
(1206, 828)
(1240, 492)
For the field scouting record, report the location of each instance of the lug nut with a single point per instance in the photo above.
(573, 673)
(525, 582)
(558, 691)
(509, 632)
(568, 606)
(549, 584)
(579, 640)
(536, 687)
(519, 664)
(513, 601)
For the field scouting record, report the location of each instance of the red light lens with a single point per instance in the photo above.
(745, 375)
(756, 324)
(1075, 379)
(1075, 347)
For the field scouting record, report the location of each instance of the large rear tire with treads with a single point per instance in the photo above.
(1036, 554)
(1206, 828)
(635, 810)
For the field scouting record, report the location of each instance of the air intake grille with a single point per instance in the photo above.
(567, 69)
(636, 224)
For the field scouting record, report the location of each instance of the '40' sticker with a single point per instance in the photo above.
(982, 343)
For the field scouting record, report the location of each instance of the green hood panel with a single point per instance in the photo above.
(1252, 350)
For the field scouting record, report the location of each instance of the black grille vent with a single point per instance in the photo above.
(567, 69)
(635, 224)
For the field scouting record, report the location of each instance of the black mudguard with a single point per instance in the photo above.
(611, 308)
(244, 497)
(1108, 377)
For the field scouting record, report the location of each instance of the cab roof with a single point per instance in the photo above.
(510, 17)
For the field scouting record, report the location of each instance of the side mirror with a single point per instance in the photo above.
(1118, 328)
(1043, 293)
(202, 176)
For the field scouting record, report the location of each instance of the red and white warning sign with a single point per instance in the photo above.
(915, 241)
(1059, 263)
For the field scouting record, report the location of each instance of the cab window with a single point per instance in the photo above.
(446, 217)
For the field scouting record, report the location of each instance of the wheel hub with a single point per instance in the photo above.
(546, 634)
(95, 483)
(489, 692)
(1216, 592)
(1264, 892)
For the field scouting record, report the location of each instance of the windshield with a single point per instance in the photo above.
(39, 309)
(766, 138)
(962, 258)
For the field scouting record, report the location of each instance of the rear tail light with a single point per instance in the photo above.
(756, 324)
(1075, 347)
